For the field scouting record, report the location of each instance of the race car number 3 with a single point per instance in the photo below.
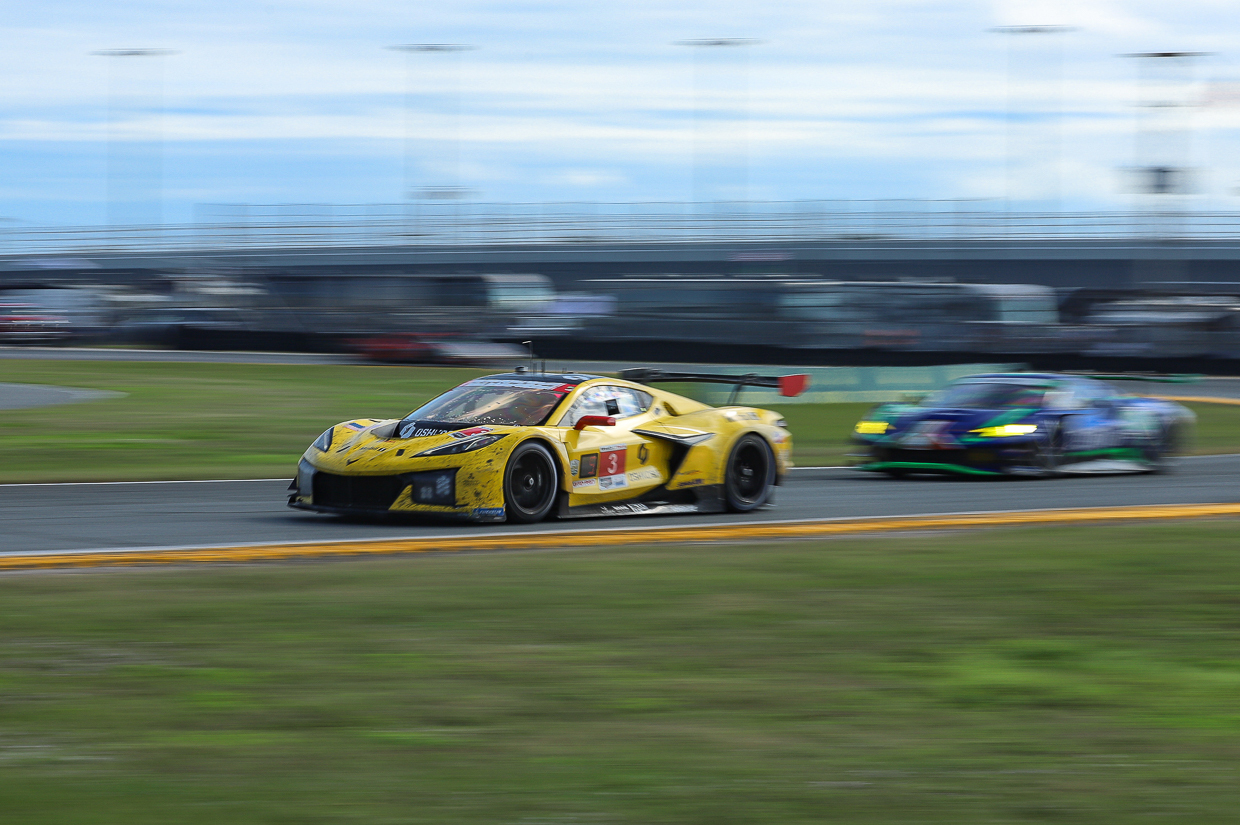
(611, 462)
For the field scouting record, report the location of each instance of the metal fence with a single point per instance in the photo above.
(465, 223)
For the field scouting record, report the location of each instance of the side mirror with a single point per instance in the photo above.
(594, 421)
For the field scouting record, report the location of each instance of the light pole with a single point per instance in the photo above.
(113, 143)
(453, 189)
(699, 46)
(1009, 140)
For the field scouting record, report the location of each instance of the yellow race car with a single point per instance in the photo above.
(526, 445)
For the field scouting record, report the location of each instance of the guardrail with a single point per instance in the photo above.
(465, 223)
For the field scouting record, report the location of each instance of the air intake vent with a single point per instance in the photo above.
(362, 492)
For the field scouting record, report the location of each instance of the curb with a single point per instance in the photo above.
(607, 538)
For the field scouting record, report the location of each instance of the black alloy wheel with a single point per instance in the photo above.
(750, 474)
(530, 483)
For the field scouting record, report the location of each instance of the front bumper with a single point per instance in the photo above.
(435, 492)
(973, 460)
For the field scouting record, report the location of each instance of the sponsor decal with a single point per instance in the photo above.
(623, 509)
(472, 431)
(489, 512)
(611, 466)
(931, 435)
(644, 474)
(642, 454)
(612, 482)
(693, 482)
(637, 508)
(355, 427)
(611, 460)
(589, 465)
(574, 466)
(412, 430)
(585, 482)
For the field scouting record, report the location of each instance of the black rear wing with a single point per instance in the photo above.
(789, 386)
(1159, 377)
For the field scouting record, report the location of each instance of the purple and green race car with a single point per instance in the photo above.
(1036, 424)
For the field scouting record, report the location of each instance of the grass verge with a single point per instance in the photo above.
(1077, 675)
(187, 421)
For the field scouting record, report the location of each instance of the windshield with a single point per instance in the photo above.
(494, 402)
(988, 395)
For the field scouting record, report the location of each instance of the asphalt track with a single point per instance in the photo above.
(43, 518)
(150, 517)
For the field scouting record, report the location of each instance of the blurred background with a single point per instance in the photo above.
(902, 183)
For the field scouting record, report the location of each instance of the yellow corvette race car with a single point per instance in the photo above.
(526, 445)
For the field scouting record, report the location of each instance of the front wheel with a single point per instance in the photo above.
(750, 474)
(530, 483)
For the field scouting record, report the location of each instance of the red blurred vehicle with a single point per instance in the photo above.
(426, 348)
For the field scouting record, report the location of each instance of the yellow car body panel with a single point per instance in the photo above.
(676, 447)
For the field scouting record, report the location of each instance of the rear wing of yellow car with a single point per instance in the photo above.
(789, 386)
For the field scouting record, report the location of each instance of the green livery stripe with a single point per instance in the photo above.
(1112, 452)
(927, 465)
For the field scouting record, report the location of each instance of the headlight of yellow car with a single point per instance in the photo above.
(1004, 430)
(872, 427)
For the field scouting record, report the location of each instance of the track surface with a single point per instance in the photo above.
(146, 515)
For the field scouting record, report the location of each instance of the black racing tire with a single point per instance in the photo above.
(1158, 454)
(749, 475)
(896, 473)
(531, 483)
(1048, 454)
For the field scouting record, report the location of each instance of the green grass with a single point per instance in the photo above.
(185, 421)
(1074, 675)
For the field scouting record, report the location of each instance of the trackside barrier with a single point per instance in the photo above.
(832, 385)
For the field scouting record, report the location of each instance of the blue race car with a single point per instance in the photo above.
(1038, 424)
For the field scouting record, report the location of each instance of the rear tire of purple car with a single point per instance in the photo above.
(530, 483)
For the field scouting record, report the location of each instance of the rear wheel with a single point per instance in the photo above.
(750, 474)
(1159, 452)
(530, 483)
(1048, 454)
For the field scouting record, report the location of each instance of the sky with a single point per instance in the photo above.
(305, 102)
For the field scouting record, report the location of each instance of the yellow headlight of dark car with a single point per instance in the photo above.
(1005, 430)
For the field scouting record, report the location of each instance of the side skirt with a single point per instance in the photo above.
(706, 499)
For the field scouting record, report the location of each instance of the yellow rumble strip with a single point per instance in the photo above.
(609, 537)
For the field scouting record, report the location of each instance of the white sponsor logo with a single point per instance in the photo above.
(413, 431)
(612, 482)
(646, 474)
(574, 466)
(585, 482)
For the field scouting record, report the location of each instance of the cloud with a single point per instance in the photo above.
(891, 98)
